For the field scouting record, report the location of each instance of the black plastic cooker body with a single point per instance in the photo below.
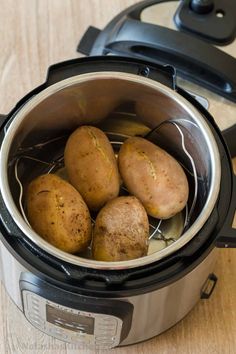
(216, 231)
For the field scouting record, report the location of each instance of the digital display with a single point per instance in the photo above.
(69, 320)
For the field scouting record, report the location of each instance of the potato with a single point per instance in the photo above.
(91, 166)
(121, 231)
(57, 212)
(154, 177)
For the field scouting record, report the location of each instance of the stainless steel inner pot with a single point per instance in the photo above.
(122, 105)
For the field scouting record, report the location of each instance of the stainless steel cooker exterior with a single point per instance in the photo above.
(153, 312)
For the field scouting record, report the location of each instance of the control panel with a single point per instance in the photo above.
(90, 329)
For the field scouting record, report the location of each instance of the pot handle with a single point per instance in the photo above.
(230, 139)
(227, 238)
(2, 119)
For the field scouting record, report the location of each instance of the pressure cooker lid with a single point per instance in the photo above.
(129, 105)
(141, 31)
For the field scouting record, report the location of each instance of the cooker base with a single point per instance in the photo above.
(153, 313)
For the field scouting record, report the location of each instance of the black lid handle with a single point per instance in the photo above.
(193, 58)
(189, 55)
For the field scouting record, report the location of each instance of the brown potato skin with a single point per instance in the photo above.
(154, 177)
(121, 231)
(57, 212)
(92, 166)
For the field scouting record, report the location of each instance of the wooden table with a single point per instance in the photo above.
(33, 35)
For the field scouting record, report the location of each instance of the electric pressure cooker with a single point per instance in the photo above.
(106, 304)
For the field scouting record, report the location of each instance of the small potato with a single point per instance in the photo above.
(121, 231)
(91, 166)
(154, 177)
(57, 212)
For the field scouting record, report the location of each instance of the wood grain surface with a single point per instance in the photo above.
(33, 35)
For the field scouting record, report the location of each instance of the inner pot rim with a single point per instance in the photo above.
(79, 261)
